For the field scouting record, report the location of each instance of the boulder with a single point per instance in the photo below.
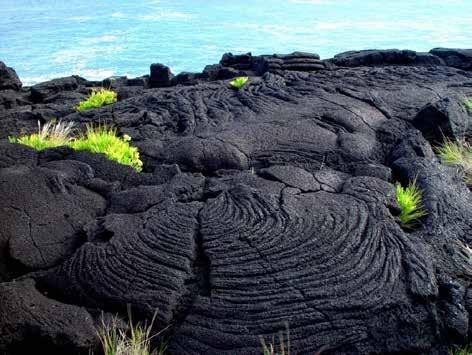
(114, 82)
(8, 78)
(443, 118)
(32, 322)
(40, 92)
(186, 78)
(161, 76)
(374, 57)
(237, 61)
(458, 58)
(218, 72)
(44, 220)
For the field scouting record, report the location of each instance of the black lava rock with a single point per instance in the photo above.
(161, 76)
(258, 208)
(8, 78)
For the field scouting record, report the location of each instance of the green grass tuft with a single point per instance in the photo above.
(271, 348)
(104, 140)
(468, 105)
(97, 98)
(239, 82)
(410, 201)
(101, 139)
(50, 135)
(457, 153)
(135, 341)
(466, 350)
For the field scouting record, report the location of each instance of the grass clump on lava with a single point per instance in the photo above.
(466, 350)
(457, 153)
(50, 135)
(468, 105)
(97, 99)
(136, 340)
(101, 139)
(238, 82)
(409, 199)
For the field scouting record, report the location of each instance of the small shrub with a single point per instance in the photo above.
(468, 105)
(97, 98)
(457, 153)
(104, 140)
(410, 201)
(239, 82)
(50, 135)
(135, 341)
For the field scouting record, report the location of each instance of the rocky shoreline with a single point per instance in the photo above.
(257, 209)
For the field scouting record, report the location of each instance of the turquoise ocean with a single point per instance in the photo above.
(44, 39)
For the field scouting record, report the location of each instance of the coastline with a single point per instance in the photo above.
(258, 208)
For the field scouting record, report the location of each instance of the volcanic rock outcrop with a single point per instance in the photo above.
(258, 209)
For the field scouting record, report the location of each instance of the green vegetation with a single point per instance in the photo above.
(410, 201)
(271, 348)
(239, 82)
(135, 341)
(49, 136)
(101, 139)
(97, 98)
(457, 153)
(104, 140)
(466, 350)
(468, 105)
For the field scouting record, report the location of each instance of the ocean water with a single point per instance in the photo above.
(44, 39)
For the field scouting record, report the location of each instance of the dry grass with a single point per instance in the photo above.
(101, 139)
(284, 344)
(50, 135)
(134, 341)
(457, 153)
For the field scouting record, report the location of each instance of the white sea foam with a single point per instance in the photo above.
(80, 18)
(166, 15)
(35, 79)
(79, 57)
(96, 74)
(315, 2)
(118, 15)
(99, 39)
(89, 74)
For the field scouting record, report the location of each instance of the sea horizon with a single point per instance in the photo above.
(47, 39)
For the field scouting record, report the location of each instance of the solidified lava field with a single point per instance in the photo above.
(257, 209)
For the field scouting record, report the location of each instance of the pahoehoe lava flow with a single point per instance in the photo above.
(262, 208)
